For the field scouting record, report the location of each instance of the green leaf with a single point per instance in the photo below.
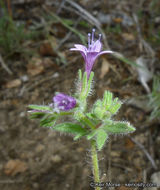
(91, 116)
(70, 128)
(92, 134)
(107, 99)
(99, 112)
(101, 138)
(115, 106)
(48, 121)
(40, 108)
(84, 86)
(119, 128)
(90, 82)
(37, 115)
(78, 136)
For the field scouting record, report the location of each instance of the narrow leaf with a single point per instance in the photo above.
(115, 106)
(40, 108)
(107, 99)
(84, 87)
(90, 82)
(79, 136)
(70, 128)
(37, 115)
(48, 121)
(92, 134)
(119, 127)
(101, 138)
(80, 74)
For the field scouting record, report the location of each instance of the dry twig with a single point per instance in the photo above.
(61, 6)
(143, 43)
(68, 35)
(145, 152)
(90, 18)
(5, 66)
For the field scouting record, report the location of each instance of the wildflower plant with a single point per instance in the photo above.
(94, 123)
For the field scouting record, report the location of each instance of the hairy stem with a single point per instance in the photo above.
(95, 163)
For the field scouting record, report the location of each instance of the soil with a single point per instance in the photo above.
(36, 158)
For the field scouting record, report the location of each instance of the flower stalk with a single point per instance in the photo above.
(95, 163)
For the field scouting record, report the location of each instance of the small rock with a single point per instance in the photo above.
(67, 185)
(128, 36)
(157, 20)
(115, 154)
(55, 75)
(40, 148)
(22, 114)
(80, 149)
(56, 159)
(46, 49)
(13, 83)
(1, 167)
(35, 66)
(155, 178)
(36, 185)
(13, 167)
(24, 78)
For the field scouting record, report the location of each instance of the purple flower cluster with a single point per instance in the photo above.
(64, 102)
(91, 53)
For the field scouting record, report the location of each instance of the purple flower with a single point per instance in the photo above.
(91, 53)
(64, 102)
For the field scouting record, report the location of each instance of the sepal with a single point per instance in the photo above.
(106, 107)
(86, 85)
(111, 105)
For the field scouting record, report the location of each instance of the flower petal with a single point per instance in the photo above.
(80, 47)
(90, 60)
(64, 102)
(103, 52)
(97, 46)
(58, 97)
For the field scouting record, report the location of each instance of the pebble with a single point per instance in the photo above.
(24, 78)
(80, 149)
(22, 114)
(56, 159)
(55, 75)
(40, 148)
(35, 185)
(155, 178)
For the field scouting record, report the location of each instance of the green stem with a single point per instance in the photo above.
(95, 163)
(65, 113)
(88, 122)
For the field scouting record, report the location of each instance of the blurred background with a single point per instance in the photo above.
(35, 62)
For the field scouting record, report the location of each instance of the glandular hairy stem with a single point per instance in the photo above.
(95, 163)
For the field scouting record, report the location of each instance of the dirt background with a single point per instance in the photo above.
(35, 158)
